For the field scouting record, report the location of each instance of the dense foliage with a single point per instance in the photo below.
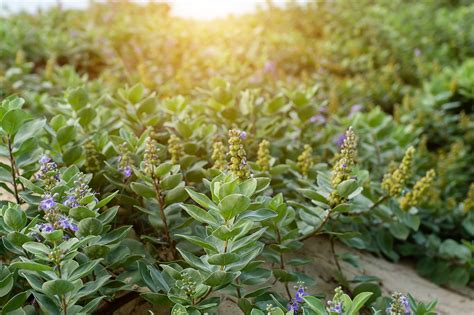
(186, 162)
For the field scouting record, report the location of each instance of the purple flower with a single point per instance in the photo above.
(243, 135)
(71, 202)
(44, 159)
(340, 140)
(127, 171)
(269, 67)
(66, 224)
(417, 52)
(318, 119)
(300, 294)
(337, 308)
(355, 109)
(293, 306)
(406, 304)
(47, 203)
(45, 227)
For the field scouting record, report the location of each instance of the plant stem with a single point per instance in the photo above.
(161, 203)
(320, 227)
(282, 260)
(13, 169)
(333, 250)
(379, 201)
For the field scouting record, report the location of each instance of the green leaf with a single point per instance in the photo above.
(135, 93)
(72, 155)
(199, 214)
(459, 277)
(86, 115)
(171, 181)
(47, 304)
(220, 278)
(359, 302)
(163, 169)
(18, 238)
(179, 309)
(248, 187)
(15, 302)
(256, 312)
(33, 266)
(29, 185)
(223, 259)
(78, 98)
(143, 190)
(84, 269)
(199, 242)
(347, 187)
(315, 305)
(200, 199)
(116, 235)
(13, 120)
(57, 287)
(14, 217)
(80, 213)
(6, 284)
(66, 134)
(37, 248)
(232, 205)
(399, 230)
(192, 259)
(30, 129)
(313, 195)
(176, 195)
(106, 200)
(89, 226)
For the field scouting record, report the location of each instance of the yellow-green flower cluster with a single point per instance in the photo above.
(150, 158)
(93, 161)
(469, 201)
(415, 196)
(175, 148)
(263, 155)
(218, 155)
(305, 160)
(238, 157)
(394, 181)
(346, 159)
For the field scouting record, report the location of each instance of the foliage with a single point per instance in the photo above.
(187, 162)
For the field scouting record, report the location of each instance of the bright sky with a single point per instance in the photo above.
(200, 9)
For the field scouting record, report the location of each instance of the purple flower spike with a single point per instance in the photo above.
(71, 202)
(127, 171)
(65, 223)
(47, 203)
(317, 119)
(44, 159)
(243, 135)
(337, 308)
(340, 140)
(355, 109)
(299, 294)
(45, 227)
(293, 306)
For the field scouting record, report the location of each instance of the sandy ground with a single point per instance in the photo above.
(394, 277)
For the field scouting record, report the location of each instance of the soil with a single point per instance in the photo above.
(393, 277)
